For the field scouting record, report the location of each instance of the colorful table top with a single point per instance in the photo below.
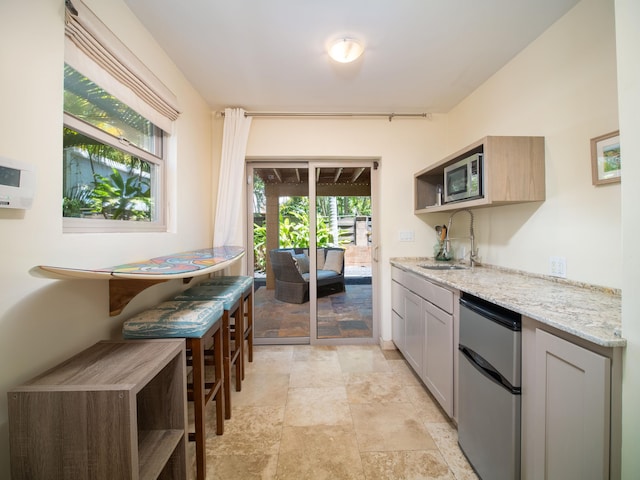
(166, 267)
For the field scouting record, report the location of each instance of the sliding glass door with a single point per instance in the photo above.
(312, 255)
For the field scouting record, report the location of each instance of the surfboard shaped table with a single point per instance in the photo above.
(129, 279)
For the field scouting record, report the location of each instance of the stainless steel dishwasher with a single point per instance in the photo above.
(489, 388)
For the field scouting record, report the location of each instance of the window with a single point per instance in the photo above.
(117, 121)
(112, 157)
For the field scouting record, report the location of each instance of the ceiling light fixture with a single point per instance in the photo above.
(345, 50)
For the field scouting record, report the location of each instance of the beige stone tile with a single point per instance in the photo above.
(271, 359)
(261, 389)
(446, 438)
(389, 427)
(374, 387)
(316, 373)
(409, 465)
(319, 453)
(362, 358)
(250, 431)
(303, 353)
(425, 404)
(406, 374)
(317, 406)
(392, 354)
(241, 467)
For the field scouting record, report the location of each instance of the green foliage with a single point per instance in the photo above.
(77, 201)
(259, 247)
(120, 199)
(293, 230)
(294, 221)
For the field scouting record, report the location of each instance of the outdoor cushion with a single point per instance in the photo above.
(322, 275)
(302, 262)
(319, 257)
(334, 260)
(173, 319)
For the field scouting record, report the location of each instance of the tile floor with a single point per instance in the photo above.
(343, 412)
(345, 314)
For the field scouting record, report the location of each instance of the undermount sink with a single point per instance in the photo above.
(443, 267)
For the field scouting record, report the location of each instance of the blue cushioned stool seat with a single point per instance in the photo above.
(197, 322)
(174, 319)
(240, 280)
(231, 297)
(228, 294)
(246, 283)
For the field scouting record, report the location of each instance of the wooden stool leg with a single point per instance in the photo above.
(218, 369)
(239, 341)
(250, 323)
(240, 338)
(226, 347)
(197, 355)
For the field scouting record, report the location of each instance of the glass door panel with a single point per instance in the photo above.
(281, 253)
(344, 251)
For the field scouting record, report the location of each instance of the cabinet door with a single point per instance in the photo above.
(572, 402)
(397, 315)
(438, 356)
(414, 328)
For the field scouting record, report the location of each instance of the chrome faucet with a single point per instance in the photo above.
(473, 254)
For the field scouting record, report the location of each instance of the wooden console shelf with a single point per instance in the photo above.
(115, 410)
(513, 172)
(128, 280)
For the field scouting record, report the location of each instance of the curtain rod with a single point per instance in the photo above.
(390, 116)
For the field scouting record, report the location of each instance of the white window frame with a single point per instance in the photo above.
(94, 51)
(158, 188)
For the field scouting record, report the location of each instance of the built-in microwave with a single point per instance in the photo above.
(463, 179)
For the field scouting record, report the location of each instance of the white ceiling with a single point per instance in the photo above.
(271, 55)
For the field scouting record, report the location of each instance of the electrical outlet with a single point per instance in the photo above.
(558, 266)
(407, 236)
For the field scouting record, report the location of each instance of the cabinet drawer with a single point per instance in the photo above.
(439, 296)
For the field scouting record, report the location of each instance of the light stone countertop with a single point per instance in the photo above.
(589, 312)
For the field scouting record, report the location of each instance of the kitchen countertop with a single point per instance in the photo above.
(589, 312)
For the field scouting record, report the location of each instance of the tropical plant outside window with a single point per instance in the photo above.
(112, 156)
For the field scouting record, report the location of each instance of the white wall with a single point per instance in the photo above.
(562, 87)
(628, 39)
(43, 322)
(404, 146)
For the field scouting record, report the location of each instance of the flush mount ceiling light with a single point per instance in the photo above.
(345, 50)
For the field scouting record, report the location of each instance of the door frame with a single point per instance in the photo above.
(312, 163)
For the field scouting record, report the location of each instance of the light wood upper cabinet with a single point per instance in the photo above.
(513, 172)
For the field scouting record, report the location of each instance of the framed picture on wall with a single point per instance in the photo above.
(605, 158)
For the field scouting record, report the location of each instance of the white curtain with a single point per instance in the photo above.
(229, 220)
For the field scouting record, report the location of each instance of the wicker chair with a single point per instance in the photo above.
(293, 286)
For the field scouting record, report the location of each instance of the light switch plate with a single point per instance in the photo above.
(407, 236)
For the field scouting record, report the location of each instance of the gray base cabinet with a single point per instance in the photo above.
(571, 406)
(423, 331)
(572, 400)
(439, 354)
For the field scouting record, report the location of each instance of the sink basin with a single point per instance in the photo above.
(443, 267)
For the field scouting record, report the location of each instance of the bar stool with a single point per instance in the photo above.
(231, 298)
(196, 322)
(246, 283)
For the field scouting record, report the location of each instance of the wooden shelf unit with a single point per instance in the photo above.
(115, 410)
(513, 172)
